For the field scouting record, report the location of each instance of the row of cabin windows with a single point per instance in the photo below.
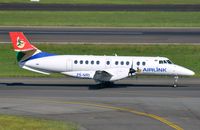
(117, 62)
(108, 62)
(143, 63)
(98, 62)
(86, 62)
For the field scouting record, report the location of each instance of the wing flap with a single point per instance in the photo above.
(112, 74)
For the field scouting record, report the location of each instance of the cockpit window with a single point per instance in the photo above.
(169, 62)
(160, 62)
(165, 62)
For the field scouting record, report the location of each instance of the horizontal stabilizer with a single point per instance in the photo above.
(34, 70)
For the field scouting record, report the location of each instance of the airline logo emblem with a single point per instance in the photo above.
(20, 43)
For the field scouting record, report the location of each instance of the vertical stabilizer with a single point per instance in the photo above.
(20, 43)
(22, 46)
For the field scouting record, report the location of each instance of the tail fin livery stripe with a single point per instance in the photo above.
(23, 47)
(20, 55)
(25, 50)
(20, 43)
(40, 55)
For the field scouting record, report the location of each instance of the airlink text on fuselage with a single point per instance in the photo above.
(155, 69)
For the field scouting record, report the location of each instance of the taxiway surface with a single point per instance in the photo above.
(139, 104)
(98, 7)
(105, 35)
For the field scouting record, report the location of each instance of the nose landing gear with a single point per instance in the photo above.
(175, 83)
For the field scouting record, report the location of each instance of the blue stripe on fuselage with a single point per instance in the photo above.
(40, 55)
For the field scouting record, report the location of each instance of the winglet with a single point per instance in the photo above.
(20, 43)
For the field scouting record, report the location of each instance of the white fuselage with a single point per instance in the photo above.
(117, 66)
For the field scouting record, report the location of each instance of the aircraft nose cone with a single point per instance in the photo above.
(184, 71)
(190, 73)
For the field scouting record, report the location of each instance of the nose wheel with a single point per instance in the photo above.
(175, 81)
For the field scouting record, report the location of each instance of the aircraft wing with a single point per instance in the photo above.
(112, 74)
(105, 75)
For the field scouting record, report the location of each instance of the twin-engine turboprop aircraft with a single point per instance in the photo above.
(103, 69)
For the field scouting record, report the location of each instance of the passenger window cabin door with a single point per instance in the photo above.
(69, 65)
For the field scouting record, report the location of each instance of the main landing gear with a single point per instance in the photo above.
(102, 85)
(175, 84)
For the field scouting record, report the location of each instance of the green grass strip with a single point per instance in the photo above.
(108, 1)
(185, 55)
(8, 122)
(100, 19)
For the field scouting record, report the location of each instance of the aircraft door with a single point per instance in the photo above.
(69, 65)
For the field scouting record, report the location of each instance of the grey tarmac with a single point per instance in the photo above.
(98, 7)
(105, 35)
(133, 103)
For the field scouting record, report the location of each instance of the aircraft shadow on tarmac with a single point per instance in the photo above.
(90, 86)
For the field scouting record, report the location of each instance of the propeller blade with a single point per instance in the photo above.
(131, 70)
